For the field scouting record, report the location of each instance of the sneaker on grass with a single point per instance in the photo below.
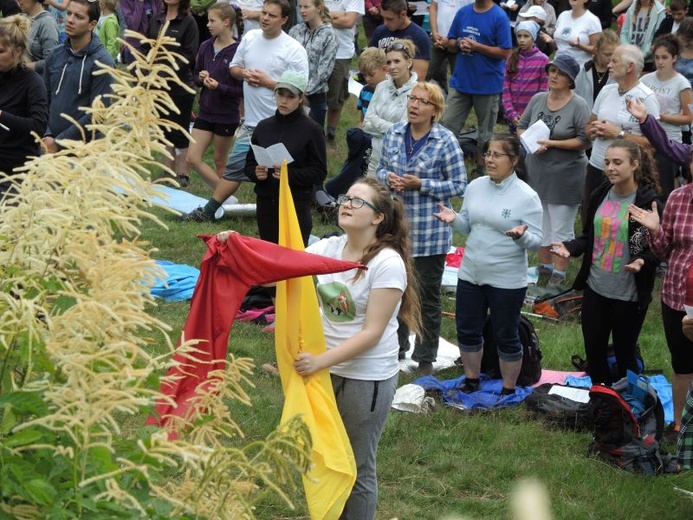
(196, 215)
(556, 280)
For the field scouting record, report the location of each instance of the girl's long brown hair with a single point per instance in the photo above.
(393, 232)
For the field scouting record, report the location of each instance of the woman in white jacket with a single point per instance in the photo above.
(389, 103)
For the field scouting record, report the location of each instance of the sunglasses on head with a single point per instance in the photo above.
(397, 46)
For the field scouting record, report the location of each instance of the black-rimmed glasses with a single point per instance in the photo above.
(497, 155)
(420, 101)
(356, 202)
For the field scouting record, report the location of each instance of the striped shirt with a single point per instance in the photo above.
(529, 79)
(440, 166)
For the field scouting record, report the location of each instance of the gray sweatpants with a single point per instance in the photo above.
(364, 406)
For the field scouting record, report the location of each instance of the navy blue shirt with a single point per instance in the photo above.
(383, 38)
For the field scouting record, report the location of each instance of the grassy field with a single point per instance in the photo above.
(449, 463)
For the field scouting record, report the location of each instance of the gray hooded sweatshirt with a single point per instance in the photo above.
(43, 36)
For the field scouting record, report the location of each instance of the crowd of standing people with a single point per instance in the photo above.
(616, 105)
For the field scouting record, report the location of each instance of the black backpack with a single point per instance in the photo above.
(623, 439)
(560, 410)
(531, 353)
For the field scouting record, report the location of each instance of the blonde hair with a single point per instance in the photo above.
(371, 59)
(435, 96)
(409, 49)
(110, 4)
(14, 32)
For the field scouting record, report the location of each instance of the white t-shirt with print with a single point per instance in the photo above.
(272, 56)
(668, 95)
(610, 106)
(569, 29)
(343, 302)
(345, 37)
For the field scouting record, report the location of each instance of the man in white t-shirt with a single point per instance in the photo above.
(261, 58)
(610, 118)
(345, 14)
(440, 16)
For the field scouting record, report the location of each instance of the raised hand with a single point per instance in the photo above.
(516, 232)
(649, 219)
(558, 249)
(445, 214)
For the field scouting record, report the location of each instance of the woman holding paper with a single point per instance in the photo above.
(304, 140)
(672, 240)
(556, 170)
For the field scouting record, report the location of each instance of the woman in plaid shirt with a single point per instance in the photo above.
(671, 239)
(423, 164)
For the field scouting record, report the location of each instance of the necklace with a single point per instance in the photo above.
(600, 77)
(413, 142)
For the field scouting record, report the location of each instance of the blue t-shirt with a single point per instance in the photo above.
(365, 99)
(383, 37)
(475, 73)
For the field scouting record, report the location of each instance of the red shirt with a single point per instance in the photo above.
(674, 242)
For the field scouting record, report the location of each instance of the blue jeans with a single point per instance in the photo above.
(318, 108)
(473, 303)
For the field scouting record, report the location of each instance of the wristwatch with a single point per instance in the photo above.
(621, 134)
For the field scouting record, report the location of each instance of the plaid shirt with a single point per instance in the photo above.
(685, 441)
(674, 242)
(440, 166)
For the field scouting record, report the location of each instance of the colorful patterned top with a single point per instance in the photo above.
(529, 79)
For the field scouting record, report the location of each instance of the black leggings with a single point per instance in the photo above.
(604, 317)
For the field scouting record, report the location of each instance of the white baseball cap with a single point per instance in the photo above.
(534, 11)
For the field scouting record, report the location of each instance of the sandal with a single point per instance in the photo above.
(183, 180)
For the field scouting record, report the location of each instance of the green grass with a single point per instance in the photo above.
(448, 462)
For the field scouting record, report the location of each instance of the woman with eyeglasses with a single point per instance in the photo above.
(557, 170)
(501, 216)
(389, 103)
(423, 164)
(360, 319)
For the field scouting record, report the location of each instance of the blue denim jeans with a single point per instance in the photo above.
(318, 108)
(473, 303)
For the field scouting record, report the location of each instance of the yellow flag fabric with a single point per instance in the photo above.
(298, 328)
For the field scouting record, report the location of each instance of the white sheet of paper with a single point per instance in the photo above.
(354, 86)
(689, 310)
(535, 133)
(580, 395)
(421, 8)
(272, 155)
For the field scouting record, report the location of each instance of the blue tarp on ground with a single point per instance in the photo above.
(487, 397)
(179, 283)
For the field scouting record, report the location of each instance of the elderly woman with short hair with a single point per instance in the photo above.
(423, 164)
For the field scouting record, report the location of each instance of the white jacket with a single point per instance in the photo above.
(388, 106)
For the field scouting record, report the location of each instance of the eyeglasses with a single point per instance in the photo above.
(356, 202)
(420, 101)
(398, 47)
(497, 155)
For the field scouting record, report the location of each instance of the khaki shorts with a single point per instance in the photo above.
(338, 84)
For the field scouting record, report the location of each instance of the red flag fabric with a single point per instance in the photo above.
(227, 271)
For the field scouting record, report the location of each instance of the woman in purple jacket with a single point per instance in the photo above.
(220, 93)
(137, 14)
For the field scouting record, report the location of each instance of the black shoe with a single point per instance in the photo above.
(469, 387)
(183, 180)
(196, 215)
(425, 368)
